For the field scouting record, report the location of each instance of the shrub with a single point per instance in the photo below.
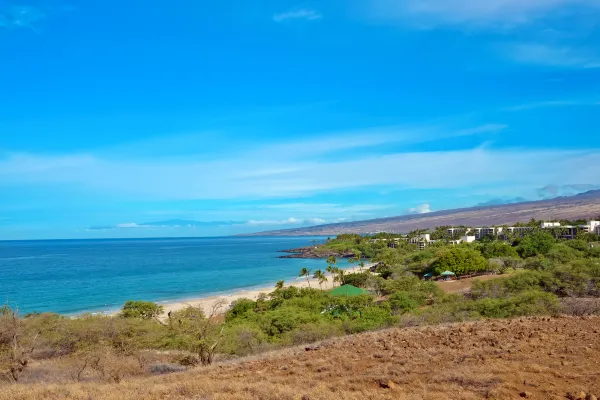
(243, 339)
(141, 309)
(498, 249)
(239, 308)
(314, 332)
(580, 307)
(369, 319)
(358, 280)
(402, 302)
(161, 369)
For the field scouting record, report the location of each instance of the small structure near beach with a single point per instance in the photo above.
(448, 275)
(347, 290)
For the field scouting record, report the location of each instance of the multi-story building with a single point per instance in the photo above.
(487, 231)
(422, 240)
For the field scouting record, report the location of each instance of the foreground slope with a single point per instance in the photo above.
(585, 205)
(538, 358)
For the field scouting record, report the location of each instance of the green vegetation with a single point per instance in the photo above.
(547, 277)
(141, 309)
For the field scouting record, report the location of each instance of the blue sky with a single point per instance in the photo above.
(246, 116)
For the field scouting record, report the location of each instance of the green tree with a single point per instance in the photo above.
(305, 273)
(321, 278)
(16, 345)
(331, 261)
(279, 285)
(460, 260)
(199, 332)
(498, 249)
(330, 269)
(141, 309)
(536, 244)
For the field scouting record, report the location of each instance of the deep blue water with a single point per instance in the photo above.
(73, 276)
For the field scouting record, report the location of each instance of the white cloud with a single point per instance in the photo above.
(300, 14)
(489, 128)
(552, 56)
(420, 209)
(330, 209)
(129, 225)
(21, 17)
(545, 104)
(240, 175)
(289, 221)
(497, 13)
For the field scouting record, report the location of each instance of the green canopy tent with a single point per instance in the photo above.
(447, 273)
(347, 290)
(428, 275)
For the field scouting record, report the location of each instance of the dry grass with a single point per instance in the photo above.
(464, 285)
(546, 357)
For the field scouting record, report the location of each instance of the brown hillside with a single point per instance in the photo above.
(586, 205)
(537, 358)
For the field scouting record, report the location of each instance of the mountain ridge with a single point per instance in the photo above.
(583, 205)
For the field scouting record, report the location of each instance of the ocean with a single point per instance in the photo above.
(76, 276)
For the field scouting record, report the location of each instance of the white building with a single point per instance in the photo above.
(550, 225)
(487, 231)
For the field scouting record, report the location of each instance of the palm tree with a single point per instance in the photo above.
(320, 276)
(331, 260)
(351, 261)
(279, 285)
(361, 265)
(305, 272)
(341, 275)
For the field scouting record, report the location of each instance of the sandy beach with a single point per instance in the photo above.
(226, 299)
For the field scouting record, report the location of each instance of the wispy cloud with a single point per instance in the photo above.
(420, 209)
(545, 104)
(552, 56)
(21, 17)
(331, 209)
(260, 173)
(289, 221)
(489, 13)
(163, 224)
(299, 14)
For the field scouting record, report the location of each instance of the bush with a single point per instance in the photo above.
(402, 302)
(243, 339)
(370, 318)
(141, 309)
(358, 280)
(161, 369)
(314, 332)
(580, 307)
(498, 249)
(564, 253)
(239, 308)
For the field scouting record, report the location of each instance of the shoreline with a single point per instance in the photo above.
(209, 301)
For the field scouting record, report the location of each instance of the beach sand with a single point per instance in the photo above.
(225, 300)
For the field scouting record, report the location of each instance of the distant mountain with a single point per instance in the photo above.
(584, 205)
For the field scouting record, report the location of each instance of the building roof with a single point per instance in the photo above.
(347, 290)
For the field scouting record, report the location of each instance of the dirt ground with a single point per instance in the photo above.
(464, 285)
(536, 358)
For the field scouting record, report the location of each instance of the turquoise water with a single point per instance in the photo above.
(74, 276)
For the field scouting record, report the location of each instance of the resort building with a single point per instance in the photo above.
(487, 231)
(422, 240)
